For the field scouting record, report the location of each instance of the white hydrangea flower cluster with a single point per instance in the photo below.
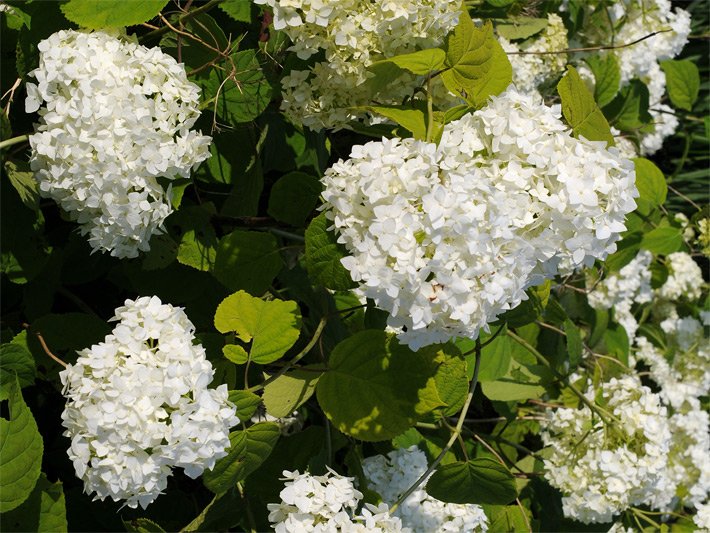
(603, 470)
(138, 405)
(685, 278)
(114, 117)
(532, 71)
(636, 19)
(682, 370)
(689, 456)
(447, 237)
(632, 285)
(353, 34)
(702, 518)
(391, 476)
(327, 504)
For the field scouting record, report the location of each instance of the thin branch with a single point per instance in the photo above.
(14, 140)
(47, 350)
(606, 418)
(589, 48)
(165, 29)
(454, 435)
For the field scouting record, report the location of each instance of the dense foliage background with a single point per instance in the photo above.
(246, 234)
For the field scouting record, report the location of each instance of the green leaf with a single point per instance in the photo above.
(43, 511)
(97, 14)
(249, 449)
(271, 326)
(451, 380)
(288, 392)
(411, 119)
(244, 94)
(629, 110)
(626, 250)
(420, 62)
(514, 28)
(650, 181)
(663, 240)
(477, 481)
(239, 10)
(163, 251)
(499, 3)
(682, 82)
(16, 360)
(22, 447)
(376, 388)
(509, 390)
(323, 255)
(574, 344)
(198, 244)
(477, 65)
(607, 77)
(236, 354)
(495, 358)
(507, 518)
(246, 402)
(293, 198)
(617, 343)
(22, 179)
(580, 109)
(247, 260)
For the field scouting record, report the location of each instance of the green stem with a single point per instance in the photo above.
(14, 140)
(454, 435)
(165, 29)
(543, 361)
(430, 110)
(301, 355)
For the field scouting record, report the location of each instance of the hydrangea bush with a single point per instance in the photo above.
(317, 265)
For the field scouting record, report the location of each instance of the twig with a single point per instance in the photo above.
(454, 435)
(684, 197)
(589, 48)
(14, 140)
(165, 29)
(47, 350)
(541, 359)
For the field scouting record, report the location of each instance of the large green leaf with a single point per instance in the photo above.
(514, 28)
(607, 77)
(663, 240)
(21, 450)
(249, 449)
(451, 380)
(43, 511)
(410, 118)
(682, 82)
(246, 403)
(507, 518)
(376, 388)
(288, 392)
(580, 109)
(574, 344)
(481, 480)
(477, 65)
(495, 358)
(293, 198)
(242, 90)
(650, 182)
(97, 14)
(16, 360)
(272, 327)
(323, 255)
(420, 62)
(247, 260)
(629, 110)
